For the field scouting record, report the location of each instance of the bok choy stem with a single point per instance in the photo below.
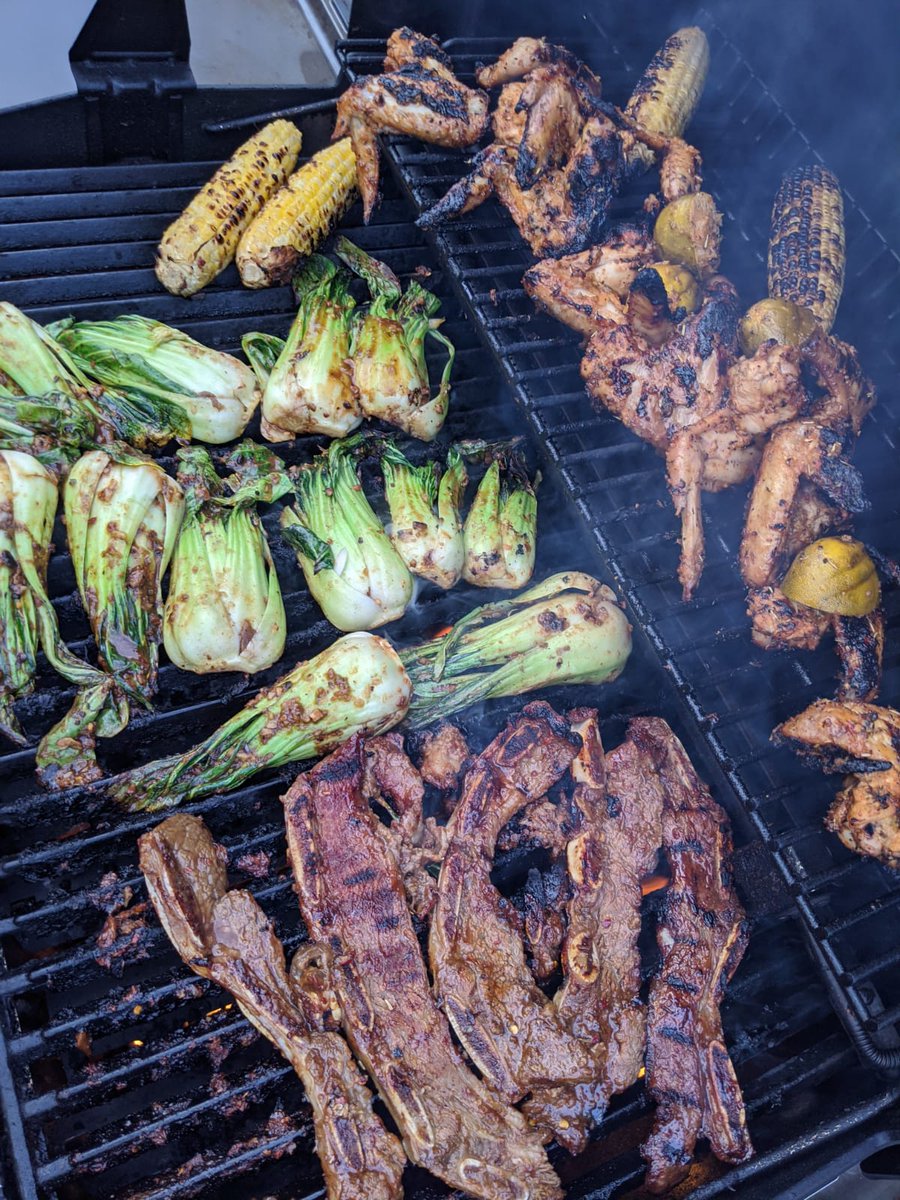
(568, 629)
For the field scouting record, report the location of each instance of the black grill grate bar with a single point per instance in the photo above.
(873, 908)
(80, 902)
(236, 1164)
(60, 1167)
(889, 959)
(93, 1090)
(885, 1020)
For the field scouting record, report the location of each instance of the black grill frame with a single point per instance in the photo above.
(539, 359)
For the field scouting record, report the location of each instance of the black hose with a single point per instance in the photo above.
(884, 1060)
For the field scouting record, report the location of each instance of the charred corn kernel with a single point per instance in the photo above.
(834, 575)
(806, 243)
(202, 241)
(669, 90)
(660, 297)
(298, 217)
(775, 321)
(688, 231)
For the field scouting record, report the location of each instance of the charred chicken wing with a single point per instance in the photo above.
(863, 741)
(418, 95)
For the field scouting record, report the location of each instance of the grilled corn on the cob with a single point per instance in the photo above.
(298, 217)
(202, 241)
(806, 243)
(668, 91)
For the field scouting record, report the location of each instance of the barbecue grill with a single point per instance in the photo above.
(122, 1074)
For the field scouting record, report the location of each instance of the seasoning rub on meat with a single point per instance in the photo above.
(702, 936)
(621, 804)
(351, 897)
(512, 1032)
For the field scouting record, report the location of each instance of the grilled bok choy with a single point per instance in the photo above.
(501, 529)
(123, 513)
(426, 527)
(153, 363)
(309, 388)
(54, 427)
(351, 568)
(356, 685)
(389, 368)
(569, 629)
(34, 364)
(224, 610)
(28, 498)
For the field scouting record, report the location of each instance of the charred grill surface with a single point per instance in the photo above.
(224, 936)
(352, 901)
(173, 1118)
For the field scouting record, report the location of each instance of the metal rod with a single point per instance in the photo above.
(298, 110)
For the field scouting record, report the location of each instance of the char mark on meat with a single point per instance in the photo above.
(702, 936)
(862, 740)
(621, 804)
(511, 1031)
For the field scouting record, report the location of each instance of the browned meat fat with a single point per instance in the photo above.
(444, 754)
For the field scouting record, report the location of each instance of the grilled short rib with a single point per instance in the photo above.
(224, 936)
(351, 897)
(512, 1032)
(621, 804)
(702, 936)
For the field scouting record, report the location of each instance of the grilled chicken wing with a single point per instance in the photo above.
(522, 57)
(862, 740)
(848, 395)
(542, 114)
(556, 106)
(805, 487)
(419, 95)
(565, 209)
(582, 289)
(657, 392)
(801, 450)
(509, 117)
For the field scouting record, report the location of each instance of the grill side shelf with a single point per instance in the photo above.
(702, 646)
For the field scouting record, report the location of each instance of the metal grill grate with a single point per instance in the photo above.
(139, 1080)
(736, 693)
